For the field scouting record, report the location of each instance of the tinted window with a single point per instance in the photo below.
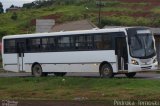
(63, 42)
(89, 41)
(98, 44)
(34, 44)
(9, 46)
(103, 41)
(107, 41)
(72, 42)
(99, 41)
(80, 42)
(48, 44)
(45, 45)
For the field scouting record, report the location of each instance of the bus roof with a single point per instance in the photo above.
(121, 29)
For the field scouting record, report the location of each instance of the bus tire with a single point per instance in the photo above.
(106, 71)
(60, 74)
(130, 75)
(37, 70)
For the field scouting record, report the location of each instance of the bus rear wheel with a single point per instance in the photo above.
(130, 75)
(60, 74)
(106, 71)
(37, 70)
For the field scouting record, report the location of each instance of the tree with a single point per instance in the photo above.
(12, 6)
(1, 8)
(14, 16)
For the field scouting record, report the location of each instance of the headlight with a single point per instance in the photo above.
(155, 60)
(134, 62)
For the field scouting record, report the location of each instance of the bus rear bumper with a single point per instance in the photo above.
(140, 68)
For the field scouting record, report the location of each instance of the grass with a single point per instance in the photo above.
(2, 71)
(78, 11)
(156, 10)
(125, 21)
(73, 88)
(23, 22)
(117, 9)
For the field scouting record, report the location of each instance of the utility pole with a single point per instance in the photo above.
(99, 13)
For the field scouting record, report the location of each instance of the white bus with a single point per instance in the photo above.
(108, 51)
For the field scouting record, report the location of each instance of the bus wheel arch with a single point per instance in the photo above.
(37, 70)
(106, 70)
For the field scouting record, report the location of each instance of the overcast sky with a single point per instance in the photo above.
(8, 3)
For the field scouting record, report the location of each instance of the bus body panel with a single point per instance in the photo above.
(80, 61)
(10, 62)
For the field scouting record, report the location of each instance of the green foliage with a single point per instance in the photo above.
(143, 21)
(112, 3)
(156, 10)
(1, 8)
(125, 21)
(2, 33)
(118, 9)
(14, 16)
(44, 3)
(22, 23)
(118, 21)
(112, 13)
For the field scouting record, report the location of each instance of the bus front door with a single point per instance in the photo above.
(121, 52)
(20, 55)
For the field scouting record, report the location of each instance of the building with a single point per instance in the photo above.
(13, 9)
(44, 25)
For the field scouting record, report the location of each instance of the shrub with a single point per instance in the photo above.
(118, 21)
(14, 16)
(143, 21)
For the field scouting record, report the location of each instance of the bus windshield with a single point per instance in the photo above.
(142, 44)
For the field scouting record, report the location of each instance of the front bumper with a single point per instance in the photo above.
(139, 68)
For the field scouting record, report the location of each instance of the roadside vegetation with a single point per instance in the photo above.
(113, 12)
(78, 88)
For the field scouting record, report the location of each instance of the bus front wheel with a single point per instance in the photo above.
(130, 75)
(37, 70)
(60, 74)
(106, 71)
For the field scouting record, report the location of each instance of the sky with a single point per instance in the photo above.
(8, 3)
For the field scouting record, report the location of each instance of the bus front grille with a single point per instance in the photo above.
(146, 68)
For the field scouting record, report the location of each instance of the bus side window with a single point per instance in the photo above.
(10, 46)
(63, 42)
(80, 42)
(98, 42)
(35, 44)
(89, 42)
(107, 41)
(52, 44)
(44, 44)
(76, 44)
(73, 45)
